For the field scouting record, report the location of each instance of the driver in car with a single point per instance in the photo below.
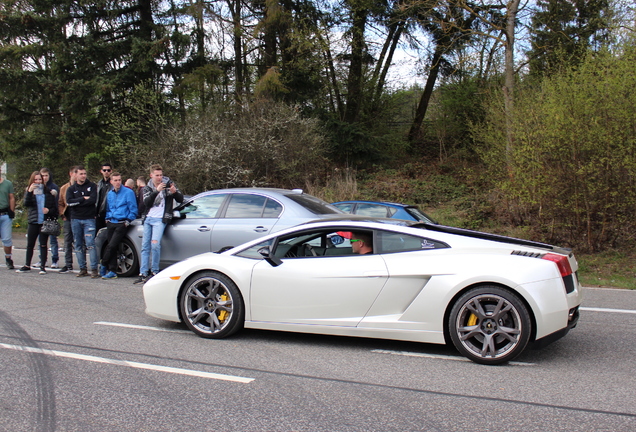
(361, 243)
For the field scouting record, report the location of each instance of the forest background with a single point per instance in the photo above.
(499, 115)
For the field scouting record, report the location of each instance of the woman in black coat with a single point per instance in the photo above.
(40, 204)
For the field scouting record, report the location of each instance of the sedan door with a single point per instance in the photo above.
(246, 217)
(323, 290)
(192, 233)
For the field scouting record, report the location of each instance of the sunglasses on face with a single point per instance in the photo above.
(106, 170)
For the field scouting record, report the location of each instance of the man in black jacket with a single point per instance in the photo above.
(81, 198)
(103, 187)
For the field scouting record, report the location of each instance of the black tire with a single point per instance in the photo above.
(490, 325)
(127, 259)
(211, 305)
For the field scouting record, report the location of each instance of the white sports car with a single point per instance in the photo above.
(486, 294)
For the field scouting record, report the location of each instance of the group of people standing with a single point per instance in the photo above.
(85, 208)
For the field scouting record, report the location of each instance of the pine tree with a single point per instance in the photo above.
(64, 66)
(564, 30)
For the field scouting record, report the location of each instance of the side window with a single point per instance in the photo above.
(253, 251)
(245, 206)
(273, 209)
(313, 244)
(387, 242)
(373, 210)
(204, 207)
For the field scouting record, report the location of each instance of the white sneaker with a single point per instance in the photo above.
(54, 265)
(37, 264)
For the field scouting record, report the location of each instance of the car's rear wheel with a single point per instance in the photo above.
(490, 325)
(211, 305)
(127, 259)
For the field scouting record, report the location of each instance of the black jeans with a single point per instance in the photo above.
(116, 232)
(68, 243)
(33, 232)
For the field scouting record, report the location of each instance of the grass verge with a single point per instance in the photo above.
(615, 269)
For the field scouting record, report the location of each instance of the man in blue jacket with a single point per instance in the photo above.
(121, 210)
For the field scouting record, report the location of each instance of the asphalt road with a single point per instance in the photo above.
(81, 355)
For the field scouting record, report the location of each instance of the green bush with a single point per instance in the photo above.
(572, 167)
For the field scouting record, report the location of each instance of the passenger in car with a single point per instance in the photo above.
(361, 243)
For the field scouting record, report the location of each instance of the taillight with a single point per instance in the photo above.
(562, 262)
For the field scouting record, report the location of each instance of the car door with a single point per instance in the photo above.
(245, 217)
(320, 290)
(192, 233)
(412, 263)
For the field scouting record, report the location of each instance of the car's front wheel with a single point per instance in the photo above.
(211, 305)
(490, 325)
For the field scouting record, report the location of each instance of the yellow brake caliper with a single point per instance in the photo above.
(472, 320)
(223, 314)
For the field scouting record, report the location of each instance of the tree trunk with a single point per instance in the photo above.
(508, 90)
(426, 96)
(354, 82)
(235, 10)
(393, 37)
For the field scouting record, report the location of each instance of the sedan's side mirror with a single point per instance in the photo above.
(266, 253)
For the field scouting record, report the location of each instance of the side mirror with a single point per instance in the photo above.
(267, 256)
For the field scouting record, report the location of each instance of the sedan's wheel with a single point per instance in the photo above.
(489, 325)
(127, 260)
(211, 305)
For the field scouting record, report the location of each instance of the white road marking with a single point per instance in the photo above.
(439, 356)
(627, 311)
(141, 327)
(131, 364)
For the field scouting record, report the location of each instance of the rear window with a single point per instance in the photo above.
(313, 204)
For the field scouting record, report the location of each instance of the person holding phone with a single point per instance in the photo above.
(41, 205)
(159, 197)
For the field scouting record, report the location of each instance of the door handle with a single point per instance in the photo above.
(203, 228)
(260, 229)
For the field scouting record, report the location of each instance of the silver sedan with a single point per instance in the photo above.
(213, 220)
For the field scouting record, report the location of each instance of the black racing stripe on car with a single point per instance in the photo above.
(483, 235)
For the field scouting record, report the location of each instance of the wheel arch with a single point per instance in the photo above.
(461, 292)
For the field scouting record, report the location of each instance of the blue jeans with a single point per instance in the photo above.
(153, 231)
(84, 235)
(6, 226)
